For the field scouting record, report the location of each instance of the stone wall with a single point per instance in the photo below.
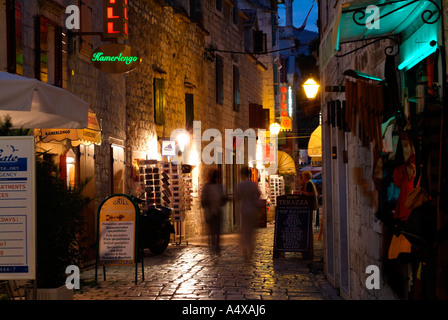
(348, 191)
(106, 95)
(172, 48)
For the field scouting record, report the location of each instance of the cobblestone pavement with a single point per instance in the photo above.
(190, 272)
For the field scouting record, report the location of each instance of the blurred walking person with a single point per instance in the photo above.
(248, 196)
(212, 200)
(309, 189)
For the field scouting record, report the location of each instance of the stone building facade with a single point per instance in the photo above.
(171, 38)
(173, 42)
(360, 217)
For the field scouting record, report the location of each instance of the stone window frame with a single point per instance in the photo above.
(219, 13)
(235, 13)
(219, 5)
(11, 27)
(55, 49)
(236, 97)
(159, 100)
(219, 79)
(86, 45)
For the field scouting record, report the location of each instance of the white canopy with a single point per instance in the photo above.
(34, 104)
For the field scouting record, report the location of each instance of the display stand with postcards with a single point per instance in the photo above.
(276, 188)
(150, 182)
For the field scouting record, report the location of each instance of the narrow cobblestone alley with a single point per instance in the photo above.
(189, 271)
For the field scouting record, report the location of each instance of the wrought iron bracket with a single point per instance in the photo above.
(428, 16)
(209, 53)
(391, 50)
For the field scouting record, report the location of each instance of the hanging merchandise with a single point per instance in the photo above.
(408, 147)
(387, 129)
(398, 245)
(416, 198)
(404, 179)
(364, 111)
(419, 226)
(406, 110)
(420, 96)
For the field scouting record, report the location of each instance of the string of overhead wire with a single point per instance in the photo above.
(297, 137)
(264, 52)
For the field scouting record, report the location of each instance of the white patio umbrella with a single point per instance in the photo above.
(34, 104)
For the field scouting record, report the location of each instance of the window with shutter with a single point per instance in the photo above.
(259, 41)
(49, 50)
(14, 37)
(159, 101)
(266, 119)
(219, 80)
(189, 111)
(256, 116)
(86, 41)
(236, 88)
(235, 12)
(284, 69)
(219, 5)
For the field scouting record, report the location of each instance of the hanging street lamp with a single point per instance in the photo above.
(311, 87)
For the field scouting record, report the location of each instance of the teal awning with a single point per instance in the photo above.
(360, 20)
(394, 17)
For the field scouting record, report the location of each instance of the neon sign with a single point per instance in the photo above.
(115, 19)
(115, 58)
(99, 56)
(285, 104)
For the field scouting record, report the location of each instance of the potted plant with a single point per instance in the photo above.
(59, 224)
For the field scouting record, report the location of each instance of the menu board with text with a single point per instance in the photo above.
(117, 231)
(17, 208)
(293, 232)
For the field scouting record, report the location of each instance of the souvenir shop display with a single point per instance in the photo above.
(276, 188)
(166, 185)
(150, 182)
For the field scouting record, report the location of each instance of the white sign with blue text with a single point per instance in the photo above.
(17, 208)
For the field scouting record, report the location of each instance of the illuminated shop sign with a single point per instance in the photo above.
(285, 101)
(115, 19)
(115, 58)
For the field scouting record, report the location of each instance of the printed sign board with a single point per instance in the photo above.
(17, 208)
(168, 148)
(117, 227)
(293, 230)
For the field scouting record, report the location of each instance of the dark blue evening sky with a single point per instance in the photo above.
(300, 10)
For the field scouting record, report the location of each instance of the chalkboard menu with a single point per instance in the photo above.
(293, 231)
